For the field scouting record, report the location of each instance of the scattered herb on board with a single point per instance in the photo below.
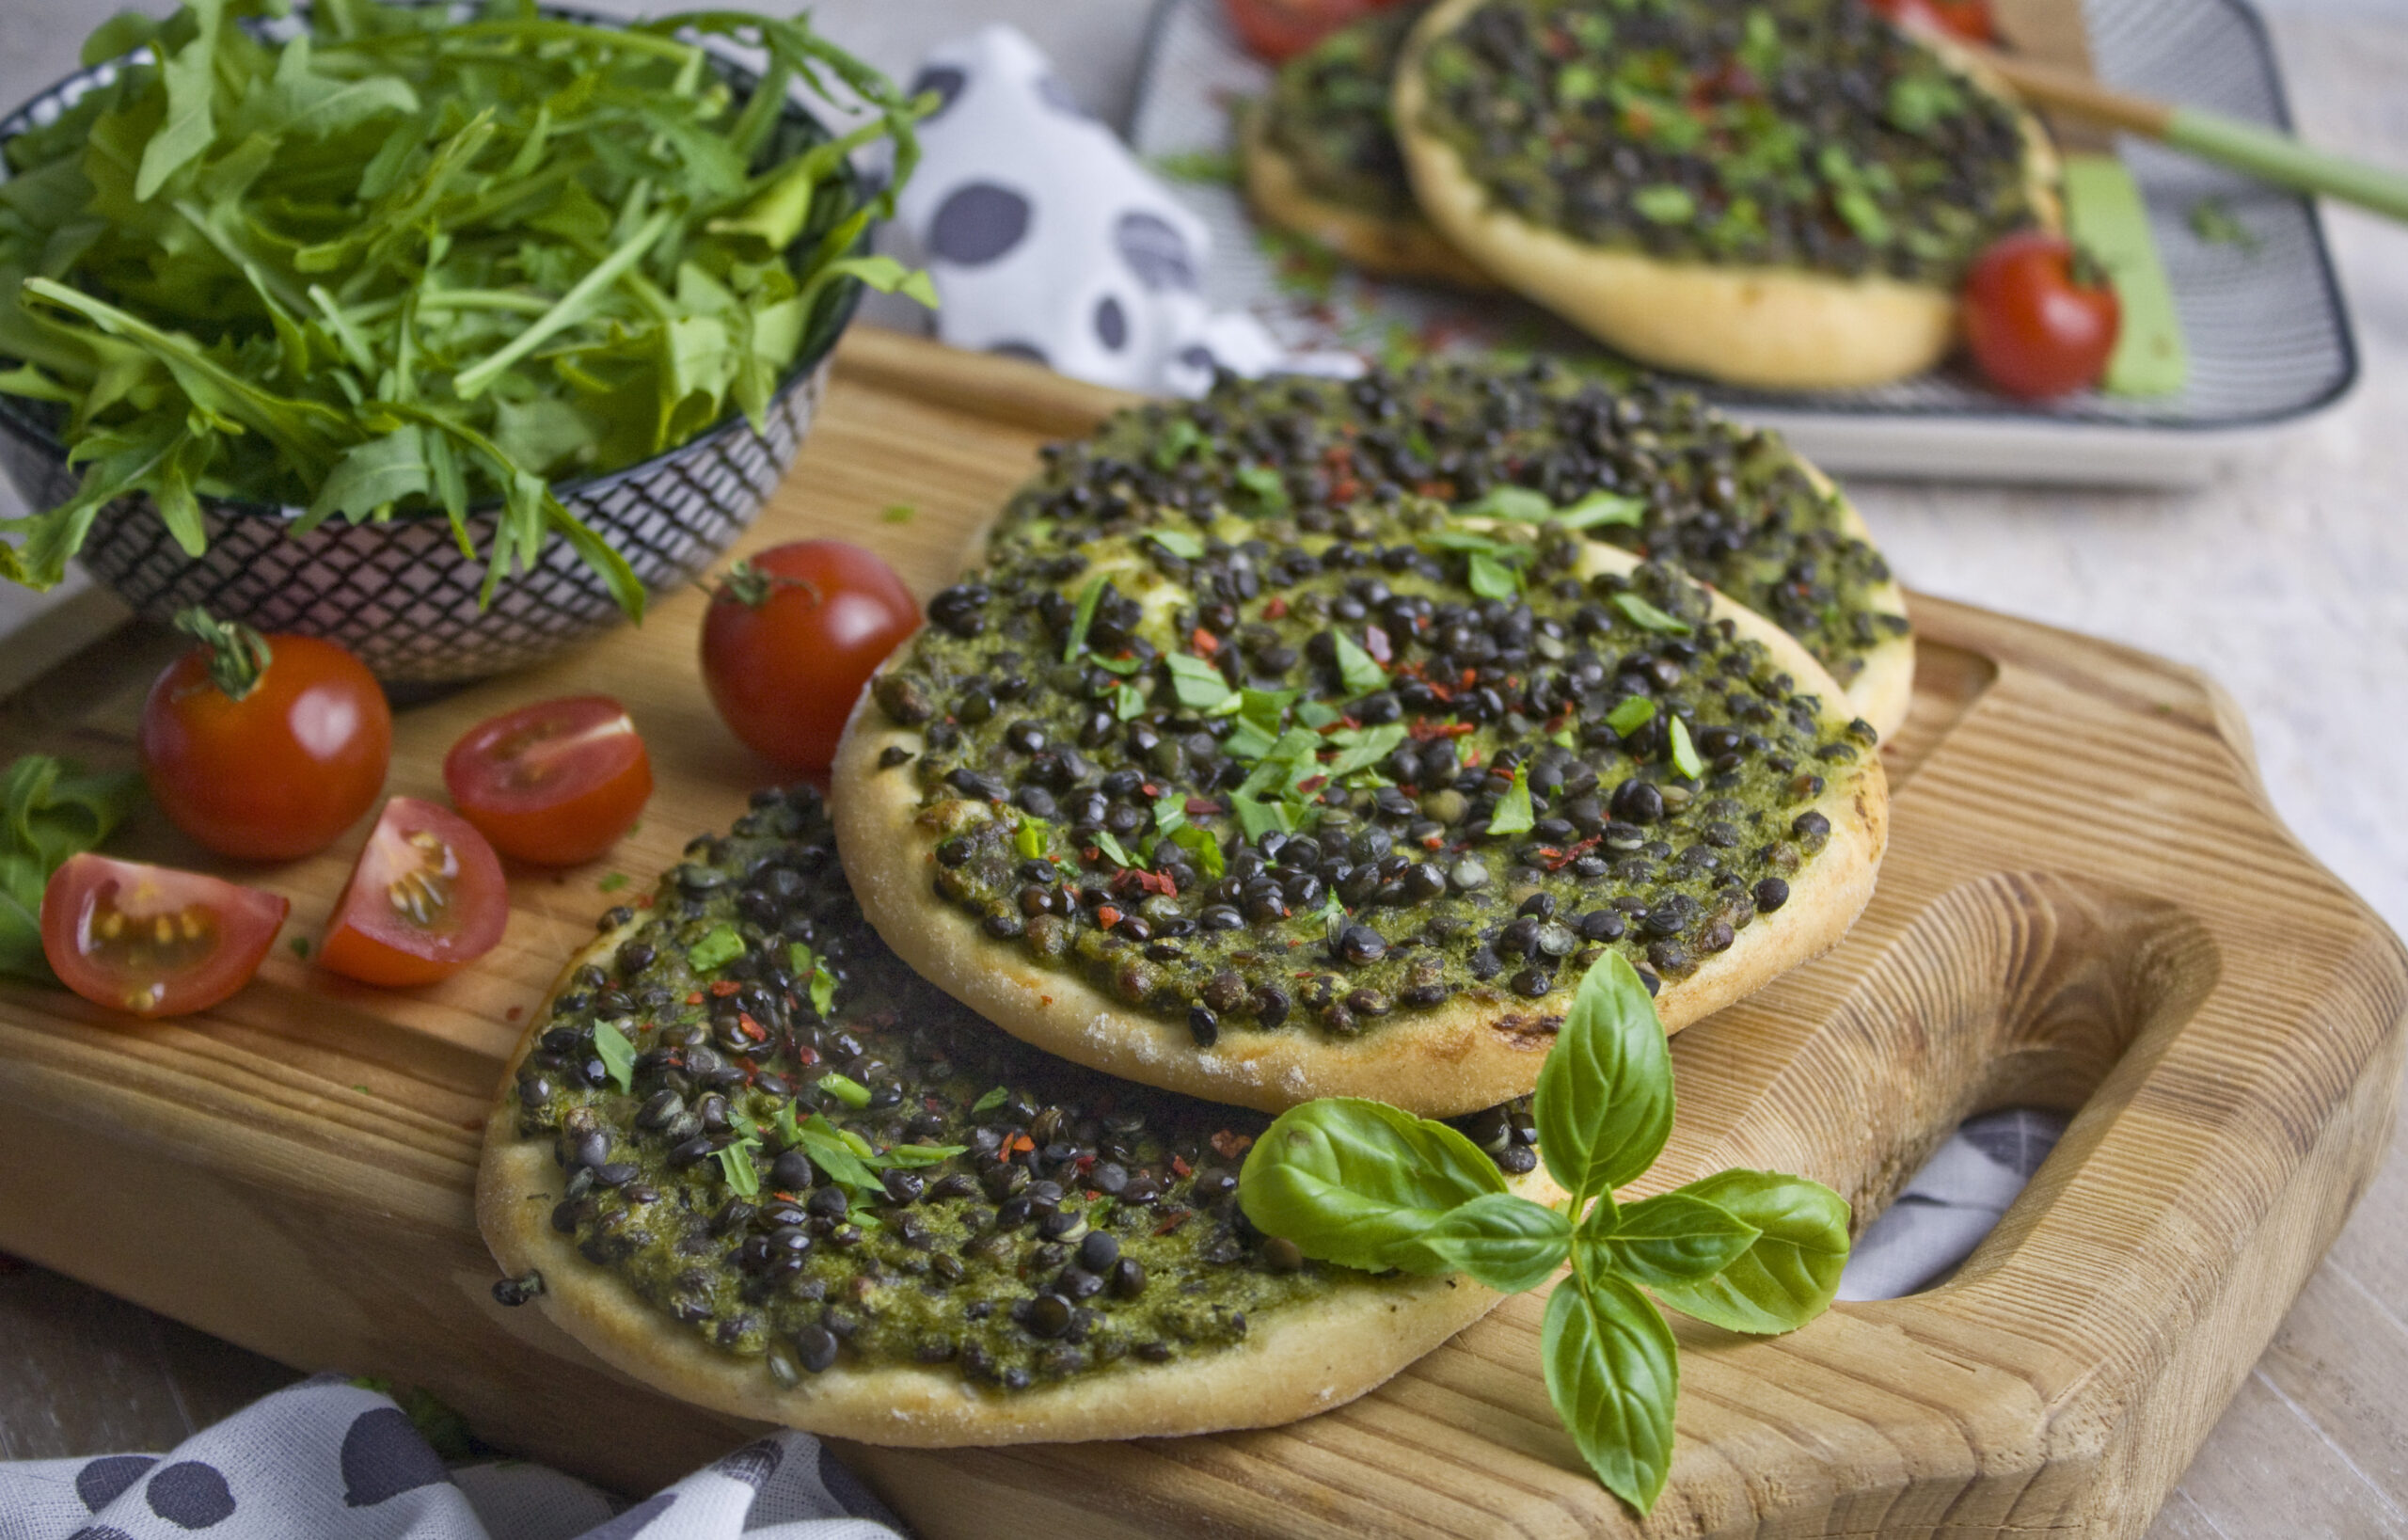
(2215, 224)
(403, 263)
(898, 512)
(1363, 1185)
(50, 809)
(1203, 168)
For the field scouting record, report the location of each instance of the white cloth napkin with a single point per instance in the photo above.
(1048, 240)
(326, 1460)
(1955, 1201)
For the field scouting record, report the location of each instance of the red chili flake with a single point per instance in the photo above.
(1204, 642)
(1472, 760)
(750, 1027)
(932, 1104)
(1083, 1163)
(1558, 860)
(695, 998)
(1180, 1168)
(1433, 842)
(1018, 1144)
(1345, 489)
(1231, 1146)
(1311, 783)
(1107, 916)
(1178, 1217)
(1201, 806)
(1425, 731)
(805, 1054)
(722, 988)
(1276, 608)
(1471, 677)
(643, 900)
(1375, 642)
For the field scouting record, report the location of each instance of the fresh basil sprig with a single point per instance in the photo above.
(1362, 1184)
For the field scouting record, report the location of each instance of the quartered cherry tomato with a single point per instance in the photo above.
(264, 748)
(792, 636)
(555, 783)
(425, 899)
(1966, 20)
(1280, 29)
(153, 940)
(2040, 324)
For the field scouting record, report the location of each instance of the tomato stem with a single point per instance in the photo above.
(751, 587)
(238, 656)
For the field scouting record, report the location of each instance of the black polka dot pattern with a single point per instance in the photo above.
(1023, 350)
(754, 1463)
(104, 1479)
(979, 223)
(633, 1522)
(190, 1495)
(945, 81)
(1196, 356)
(100, 1532)
(1111, 324)
(383, 1456)
(1155, 252)
(850, 1494)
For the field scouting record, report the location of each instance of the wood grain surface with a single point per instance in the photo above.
(2087, 904)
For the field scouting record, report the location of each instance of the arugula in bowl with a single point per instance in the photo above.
(404, 260)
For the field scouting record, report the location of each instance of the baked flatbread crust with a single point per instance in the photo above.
(1395, 248)
(1777, 328)
(1883, 690)
(1302, 1359)
(1459, 1056)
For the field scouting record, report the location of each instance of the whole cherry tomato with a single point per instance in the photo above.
(555, 783)
(153, 940)
(1966, 20)
(1281, 29)
(791, 637)
(426, 899)
(264, 748)
(2037, 322)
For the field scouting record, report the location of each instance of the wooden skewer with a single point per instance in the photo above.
(2261, 153)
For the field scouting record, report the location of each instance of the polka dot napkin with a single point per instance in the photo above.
(1048, 240)
(326, 1460)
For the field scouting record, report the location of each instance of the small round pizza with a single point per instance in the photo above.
(746, 1156)
(1656, 471)
(1786, 194)
(1321, 159)
(1344, 803)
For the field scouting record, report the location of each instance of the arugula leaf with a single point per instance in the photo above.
(1648, 618)
(50, 809)
(618, 1056)
(1604, 1103)
(1348, 1180)
(905, 1156)
(836, 1158)
(1514, 814)
(1369, 747)
(1613, 1372)
(1084, 616)
(1357, 669)
(1110, 847)
(735, 1163)
(1508, 1243)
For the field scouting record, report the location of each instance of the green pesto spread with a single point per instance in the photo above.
(1727, 504)
(789, 1143)
(1781, 133)
(1328, 112)
(1324, 771)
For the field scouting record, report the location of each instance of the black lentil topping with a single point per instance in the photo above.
(1785, 133)
(1725, 503)
(864, 1173)
(1328, 114)
(1311, 773)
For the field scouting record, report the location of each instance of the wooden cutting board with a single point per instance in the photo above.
(2086, 905)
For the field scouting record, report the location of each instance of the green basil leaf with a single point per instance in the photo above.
(908, 1155)
(1177, 542)
(1509, 502)
(1789, 1273)
(1198, 684)
(735, 1163)
(1491, 578)
(1603, 508)
(1357, 669)
(618, 1056)
(989, 1102)
(1685, 759)
(1674, 1237)
(1604, 1104)
(1032, 837)
(1110, 846)
(1265, 486)
(1647, 617)
(1127, 704)
(1174, 443)
(1613, 1372)
(1347, 1179)
(1082, 617)
(1634, 712)
(1199, 842)
(721, 945)
(1514, 814)
(845, 1088)
(1502, 1240)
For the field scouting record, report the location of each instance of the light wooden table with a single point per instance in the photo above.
(2290, 585)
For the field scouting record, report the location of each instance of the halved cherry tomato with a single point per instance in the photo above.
(555, 783)
(791, 637)
(1967, 20)
(1280, 29)
(425, 899)
(153, 940)
(2037, 324)
(264, 748)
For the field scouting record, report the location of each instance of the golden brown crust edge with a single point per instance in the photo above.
(1770, 328)
(1460, 1057)
(1304, 1358)
(1388, 247)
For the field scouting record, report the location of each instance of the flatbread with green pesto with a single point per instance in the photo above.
(1321, 159)
(1786, 194)
(1731, 504)
(746, 1156)
(1267, 810)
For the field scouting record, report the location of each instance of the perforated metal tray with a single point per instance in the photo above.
(2268, 330)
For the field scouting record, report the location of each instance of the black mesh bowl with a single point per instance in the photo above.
(398, 593)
